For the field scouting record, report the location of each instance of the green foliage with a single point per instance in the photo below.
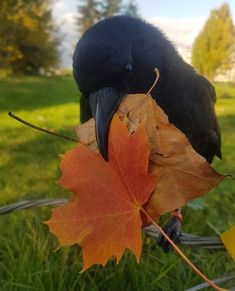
(131, 9)
(92, 11)
(89, 14)
(29, 163)
(215, 44)
(110, 7)
(28, 38)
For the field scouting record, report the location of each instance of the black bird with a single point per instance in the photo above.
(117, 56)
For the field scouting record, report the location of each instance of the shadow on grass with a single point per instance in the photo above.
(226, 96)
(35, 93)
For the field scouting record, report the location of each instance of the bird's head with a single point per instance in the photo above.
(111, 60)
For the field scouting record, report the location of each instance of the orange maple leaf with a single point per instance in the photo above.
(103, 216)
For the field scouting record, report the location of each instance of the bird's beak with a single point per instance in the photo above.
(104, 104)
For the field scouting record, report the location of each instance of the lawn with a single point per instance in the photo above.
(29, 259)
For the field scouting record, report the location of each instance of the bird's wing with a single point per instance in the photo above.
(200, 123)
(210, 144)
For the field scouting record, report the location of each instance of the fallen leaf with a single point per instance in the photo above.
(103, 216)
(184, 174)
(228, 239)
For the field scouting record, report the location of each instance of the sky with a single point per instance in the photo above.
(180, 20)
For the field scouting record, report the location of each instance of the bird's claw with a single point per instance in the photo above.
(172, 229)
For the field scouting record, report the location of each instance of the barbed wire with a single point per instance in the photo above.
(26, 204)
(216, 281)
(206, 242)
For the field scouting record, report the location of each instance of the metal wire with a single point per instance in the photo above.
(205, 242)
(216, 281)
(30, 204)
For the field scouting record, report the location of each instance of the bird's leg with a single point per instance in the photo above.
(172, 229)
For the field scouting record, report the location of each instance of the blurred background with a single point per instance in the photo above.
(37, 39)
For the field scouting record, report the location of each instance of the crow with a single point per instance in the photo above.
(117, 56)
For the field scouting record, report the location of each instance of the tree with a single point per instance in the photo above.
(89, 14)
(92, 11)
(110, 7)
(131, 9)
(9, 51)
(28, 38)
(213, 48)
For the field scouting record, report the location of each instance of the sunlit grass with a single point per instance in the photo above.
(28, 170)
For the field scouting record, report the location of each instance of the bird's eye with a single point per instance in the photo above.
(128, 69)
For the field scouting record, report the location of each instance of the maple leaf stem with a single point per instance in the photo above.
(149, 91)
(155, 81)
(183, 256)
(39, 128)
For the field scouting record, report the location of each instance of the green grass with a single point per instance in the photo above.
(28, 169)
